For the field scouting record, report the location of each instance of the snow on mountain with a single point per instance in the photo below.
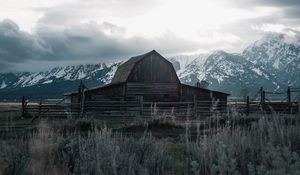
(191, 69)
(55, 82)
(272, 62)
(58, 74)
(232, 73)
(3, 85)
(181, 61)
(277, 54)
(271, 50)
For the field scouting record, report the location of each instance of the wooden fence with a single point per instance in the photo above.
(119, 108)
(271, 102)
(136, 106)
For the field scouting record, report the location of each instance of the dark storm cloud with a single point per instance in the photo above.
(278, 2)
(18, 46)
(72, 12)
(281, 3)
(289, 8)
(88, 42)
(91, 41)
(292, 12)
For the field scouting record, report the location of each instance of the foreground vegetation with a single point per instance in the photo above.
(233, 144)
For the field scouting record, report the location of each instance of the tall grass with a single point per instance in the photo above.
(51, 151)
(269, 145)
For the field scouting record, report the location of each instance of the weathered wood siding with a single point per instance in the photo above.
(153, 68)
(75, 102)
(188, 92)
(153, 92)
(207, 98)
(110, 90)
(106, 92)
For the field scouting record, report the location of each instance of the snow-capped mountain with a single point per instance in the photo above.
(272, 62)
(232, 73)
(278, 55)
(194, 71)
(55, 82)
(102, 71)
(182, 61)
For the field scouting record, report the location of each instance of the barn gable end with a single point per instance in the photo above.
(150, 67)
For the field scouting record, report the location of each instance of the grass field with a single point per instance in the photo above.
(231, 144)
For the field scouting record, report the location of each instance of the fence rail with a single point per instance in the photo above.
(197, 108)
(136, 106)
(125, 108)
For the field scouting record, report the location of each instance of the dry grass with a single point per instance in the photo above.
(232, 144)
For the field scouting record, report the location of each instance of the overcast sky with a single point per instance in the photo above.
(38, 34)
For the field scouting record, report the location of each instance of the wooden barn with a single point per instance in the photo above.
(142, 84)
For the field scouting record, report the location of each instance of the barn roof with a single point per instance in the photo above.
(94, 88)
(125, 69)
(203, 89)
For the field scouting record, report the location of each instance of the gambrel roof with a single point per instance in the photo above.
(126, 68)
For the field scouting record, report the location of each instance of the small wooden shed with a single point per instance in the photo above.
(147, 78)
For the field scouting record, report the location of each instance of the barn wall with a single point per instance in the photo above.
(206, 98)
(153, 68)
(154, 91)
(74, 102)
(188, 92)
(101, 93)
(112, 91)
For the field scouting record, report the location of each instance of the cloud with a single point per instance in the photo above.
(278, 2)
(289, 8)
(278, 28)
(18, 46)
(271, 3)
(292, 12)
(98, 10)
(92, 41)
(86, 42)
(74, 31)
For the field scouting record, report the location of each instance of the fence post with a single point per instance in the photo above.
(40, 107)
(298, 106)
(141, 105)
(289, 98)
(289, 94)
(81, 98)
(248, 106)
(261, 95)
(263, 100)
(122, 105)
(195, 106)
(82, 110)
(23, 106)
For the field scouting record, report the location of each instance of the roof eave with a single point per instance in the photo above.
(205, 89)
